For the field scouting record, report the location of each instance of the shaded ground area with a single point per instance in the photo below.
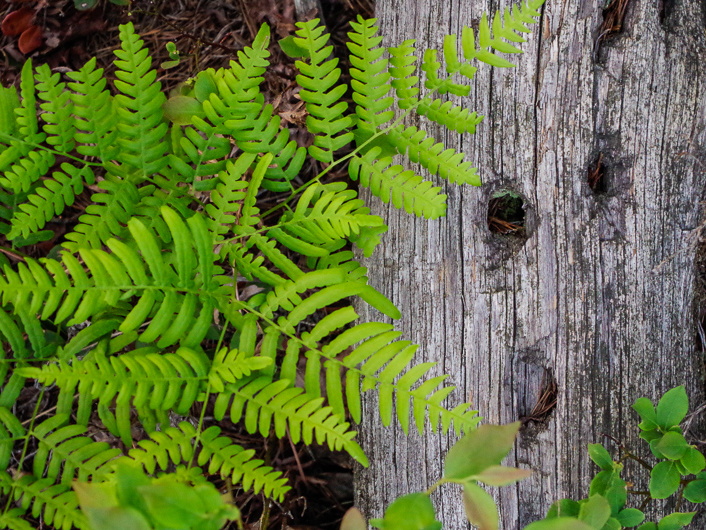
(207, 34)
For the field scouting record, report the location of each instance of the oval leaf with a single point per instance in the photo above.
(501, 475)
(182, 109)
(353, 520)
(672, 408)
(411, 512)
(480, 449)
(664, 480)
(600, 456)
(480, 507)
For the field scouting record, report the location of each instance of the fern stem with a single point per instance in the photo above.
(202, 415)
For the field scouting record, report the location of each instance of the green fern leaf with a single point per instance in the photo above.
(406, 189)
(55, 503)
(95, 119)
(10, 431)
(318, 77)
(452, 117)
(371, 80)
(50, 199)
(230, 365)
(328, 213)
(177, 445)
(22, 175)
(12, 520)
(141, 127)
(58, 110)
(112, 207)
(64, 454)
(434, 157)
(264, 405)
(402, 68)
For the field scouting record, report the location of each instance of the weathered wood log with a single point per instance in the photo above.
(603, 134)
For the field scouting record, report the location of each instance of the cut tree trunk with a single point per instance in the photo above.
(592, 304)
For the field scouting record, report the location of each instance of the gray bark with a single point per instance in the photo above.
(601, 294)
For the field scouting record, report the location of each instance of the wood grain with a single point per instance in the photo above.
(599, 298)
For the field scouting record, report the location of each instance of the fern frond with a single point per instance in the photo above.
(433, 156)
(239, 106)
(402, 69)
(95, 118)
(230, 365)
(141, 127)
(50, 199)
(58, 110)
(328, 213)
(55, 503)
(27, 115)
(105, 218)
(452, 117)
(318, 78)
(11, 429)
(12, 520)
(26, 171)
(223, 456)
(143, 377)
(370, 79)
(204, 148)
(406, 189)
(178, 290)
(265, 405)
(64, 453)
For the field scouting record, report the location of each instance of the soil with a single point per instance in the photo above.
(206, 34)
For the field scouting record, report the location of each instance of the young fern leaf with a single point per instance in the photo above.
(318, 77)
(328, 213)
(55, 503)
(434, 157)
(223, 456)
(230, 365)
(94, 111)
(141, 126)
(50, 199)
(370, 79)
(12, 520)
(64, 453)
(58, 110)
(264, 405)
(406, 189)
(239, 106)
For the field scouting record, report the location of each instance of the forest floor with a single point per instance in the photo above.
(207, 34)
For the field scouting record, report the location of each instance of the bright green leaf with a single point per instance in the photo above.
(646, 410)
(600, 456)
(564, 508)
(630, 517)
(693, 460)
(480, 507)
(560, 523)
(664, 480)
(595, 511)
(672, 445)
(173, 504)
(672, 408)
(181, 110)
(292, 49)
(411, 512)
(695, 491)
(675, 521)
(478, 450)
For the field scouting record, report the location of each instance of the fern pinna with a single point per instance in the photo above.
(141, 313)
